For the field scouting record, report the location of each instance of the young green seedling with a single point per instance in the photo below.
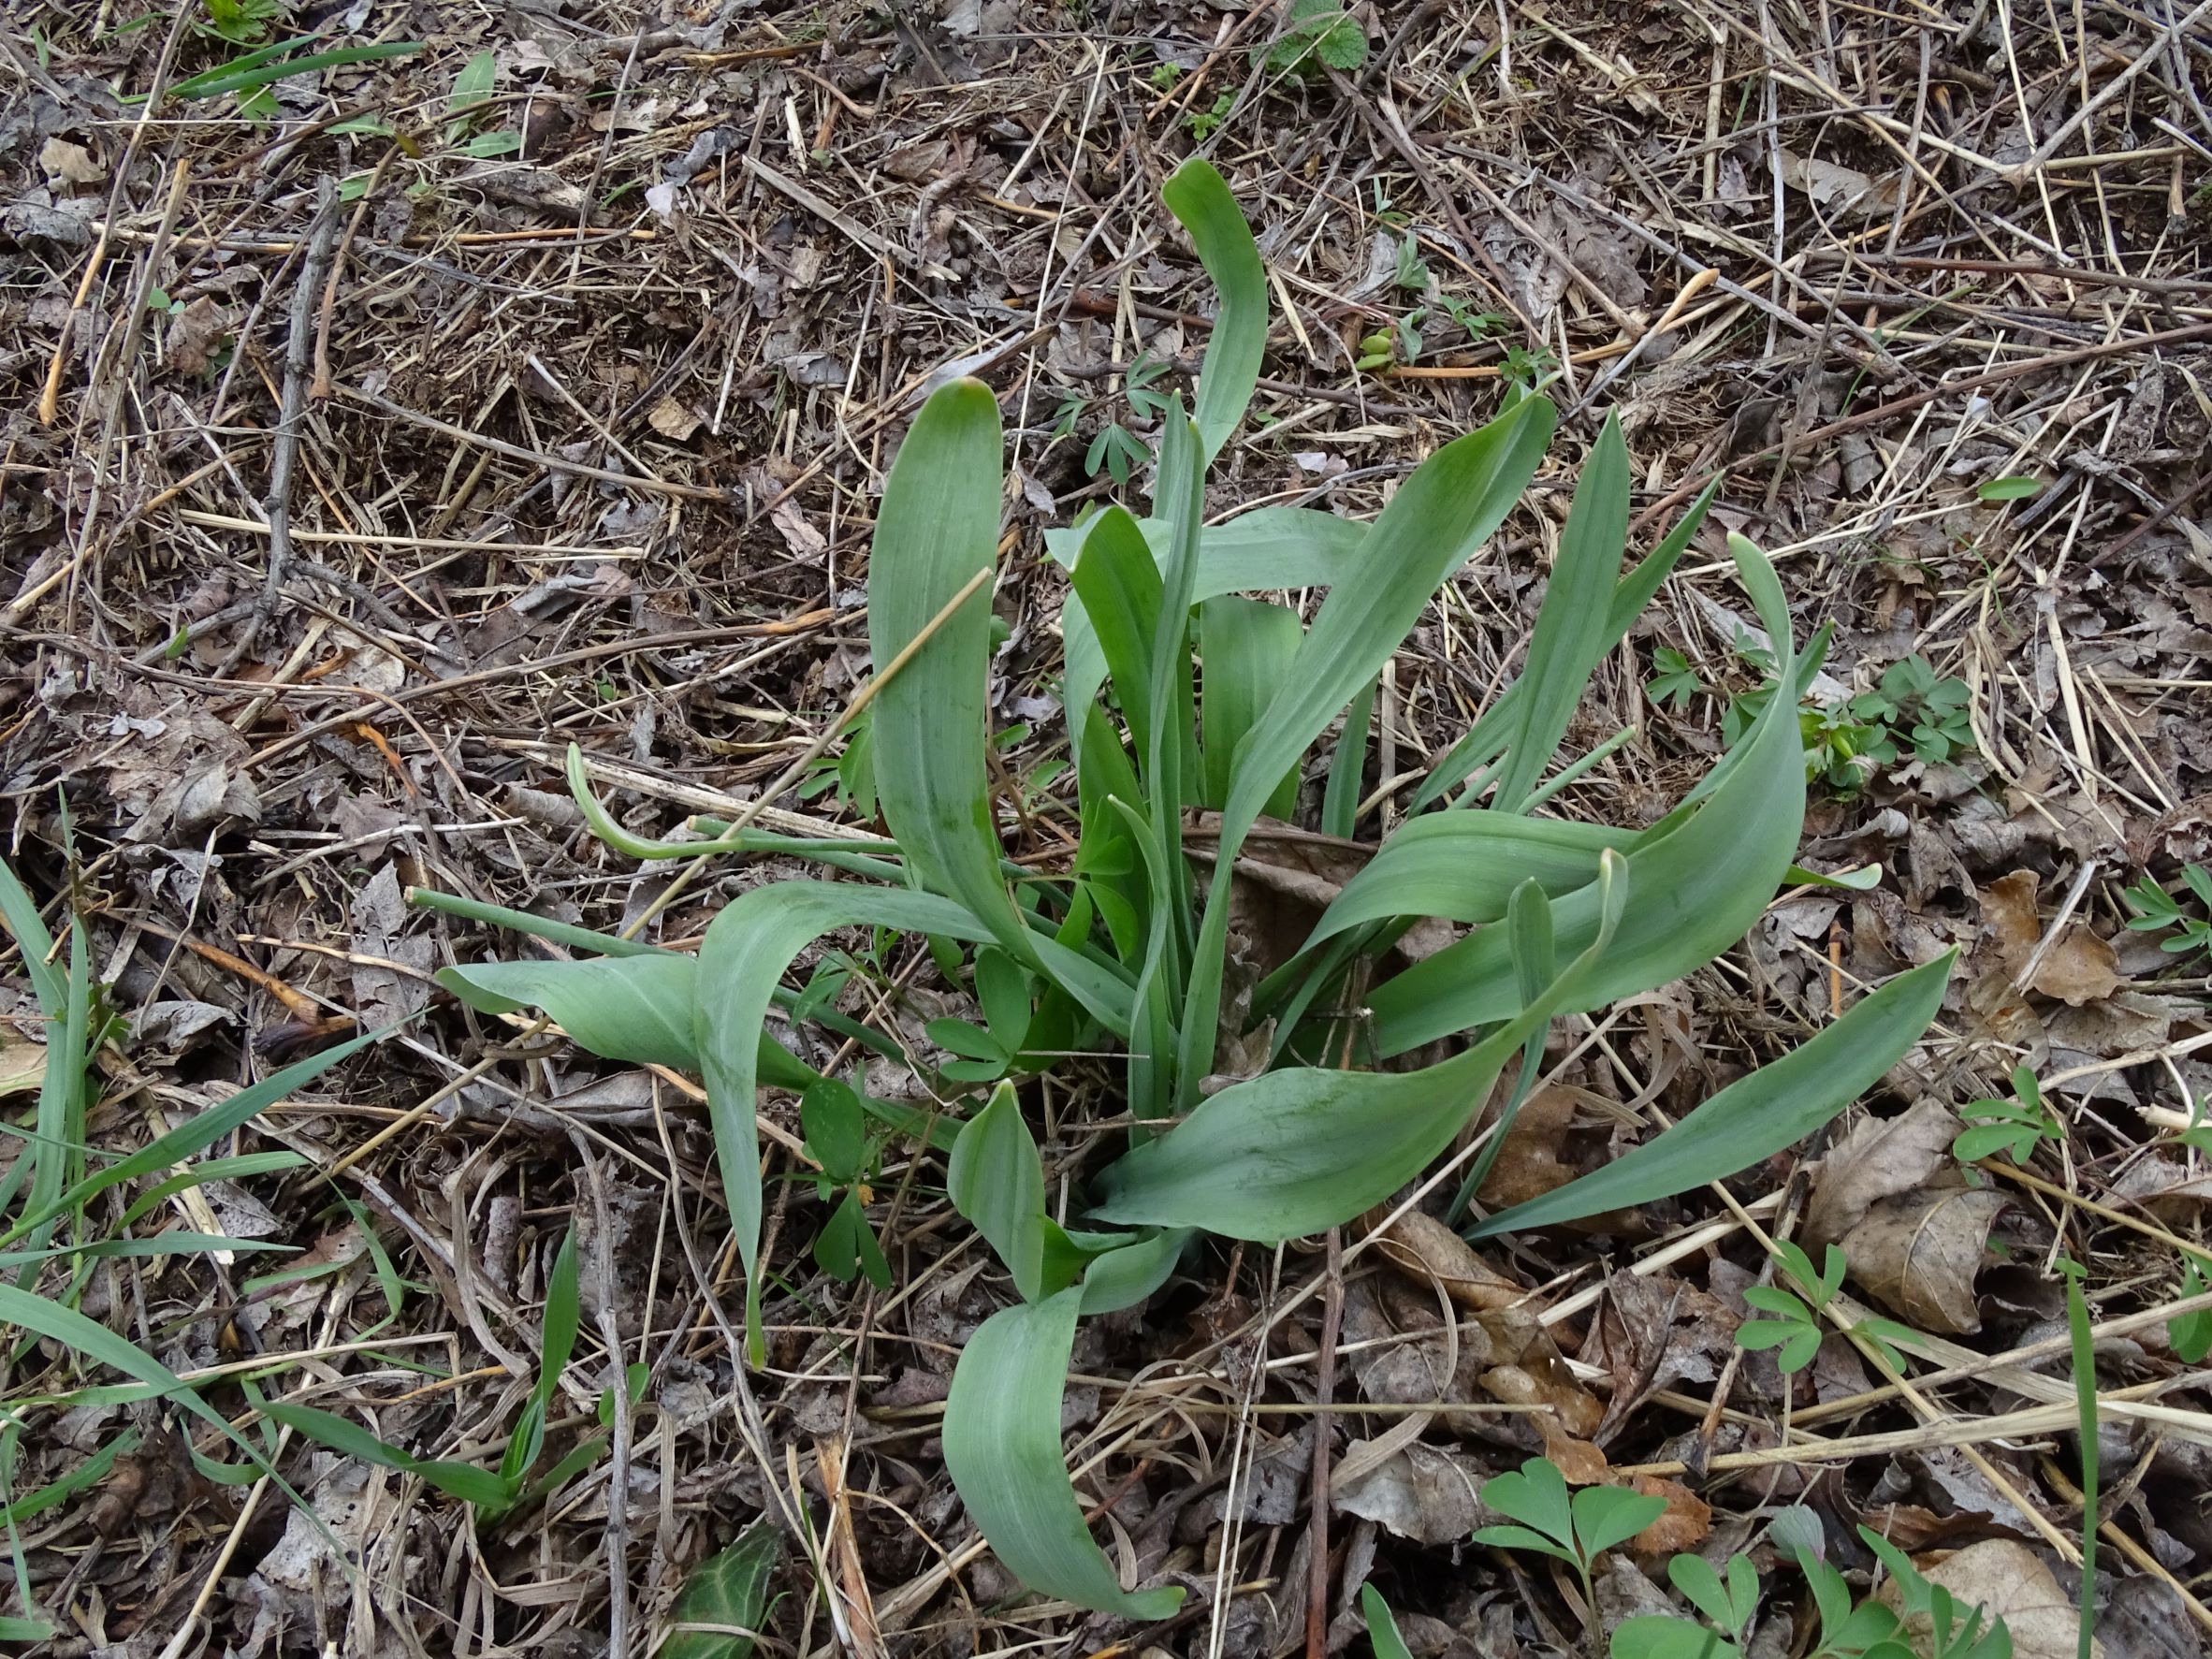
(1576, 1530)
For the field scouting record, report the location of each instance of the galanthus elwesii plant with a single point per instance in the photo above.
(1128, 947)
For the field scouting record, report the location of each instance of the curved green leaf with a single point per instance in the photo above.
(935, 529)
(1002, 1445)
(746, 950)
(996, 1179)
(1754, 1118)
(1126, 1276)
(1199, 198)
(1117, 590)
(1464, 866)
(1570, 635)
(1698, 886)
(1440, 515)
(1631, 594)
(464, 1481)
(637, 1008)
(1301, 1150)
(1247, 647)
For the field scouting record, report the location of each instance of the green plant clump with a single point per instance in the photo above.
(1128, 949)
(1925, 1623)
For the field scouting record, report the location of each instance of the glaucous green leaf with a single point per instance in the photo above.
(1755, 1116)
(936, 528)
(996, 1179)
(1002, 1445)
(1382, 1626)
(1572, 624)
(1697, 887)
(1247, 647)
(1631, 594)
(1303, 1149)
(1449, 505)
(637, 1008)
(1199, 198)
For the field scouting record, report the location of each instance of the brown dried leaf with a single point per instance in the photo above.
(2079, 969)
(2008, 911)
(1685, 1524)
(1840, 189)
(1421, 1492)
(1879, 1157)
(673, 419)
(1528, 1164)
(1919, 1253)
(2012, 1582)
(1423, 1248)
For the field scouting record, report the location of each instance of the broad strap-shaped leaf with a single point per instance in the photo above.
(936, 528)
(1755, 1116)
(1571, 628)
(1697, 888)
(1152, 1021)
(1117, 581)
(1180, 499)
(1199, 198)
(1268, 547)
(1247, 647)
(996, 1179)
(1124, 1276)
(1303, 1149)
(1441, 514)
(1382, 1625)
(1631, 594)
(637, 1008)
(747, 949)
(1464, 866)
(1002, 1445)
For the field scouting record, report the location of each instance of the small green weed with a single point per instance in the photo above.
(838, 1140)
(2159, 911)
(242, 22)
(2014, 1127)
(1576, 1530)
(1797, 1324)
(1917, 712)
(1318, 36)
(1204, 123)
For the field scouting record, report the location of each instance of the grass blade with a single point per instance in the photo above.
(464, 1481)
(19, 913)
(1002, 1445)
(1755, 1116)
(194, 1134)
(1199, 198)
(230, 78)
